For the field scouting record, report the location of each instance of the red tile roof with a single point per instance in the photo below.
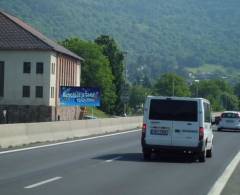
(17, 35)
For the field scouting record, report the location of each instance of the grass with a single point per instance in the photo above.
(207, 68)
(231, 75)
(96, 112)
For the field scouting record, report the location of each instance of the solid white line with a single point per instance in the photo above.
(223, 179)
(66, 142)
(42, 182)
(111, 160)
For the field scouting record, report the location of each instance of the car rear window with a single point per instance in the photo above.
(230, 115)
(177, 110)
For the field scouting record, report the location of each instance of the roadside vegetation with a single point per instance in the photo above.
(104, 68)
(94, 112)
(169, 44)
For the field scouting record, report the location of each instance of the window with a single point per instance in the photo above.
(230, 115)
(1, 79)
(39, 68)
(53, 68)
(39, 91)
(52, 92)
(176, 110)
(27, 67)
(26, 91)
(207, 113)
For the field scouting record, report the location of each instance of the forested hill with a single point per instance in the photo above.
(159, 35)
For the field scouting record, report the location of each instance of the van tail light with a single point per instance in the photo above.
(201, 133)
(144, 128)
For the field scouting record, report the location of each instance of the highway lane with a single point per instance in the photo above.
(112, 165)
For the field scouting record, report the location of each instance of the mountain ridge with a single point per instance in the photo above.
(159, 36)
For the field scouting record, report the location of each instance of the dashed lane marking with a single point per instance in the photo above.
(43, 182)
(113, 159)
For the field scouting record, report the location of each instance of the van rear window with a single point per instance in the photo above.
(177, 110)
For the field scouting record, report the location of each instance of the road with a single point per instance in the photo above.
(112, 165)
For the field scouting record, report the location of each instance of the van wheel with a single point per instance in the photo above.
(209, 153)
(219, 129)
(147, 154)
(202, 156)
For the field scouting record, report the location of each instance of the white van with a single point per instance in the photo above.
(177, 123)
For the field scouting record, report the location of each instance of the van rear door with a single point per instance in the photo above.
(159, 123)
(185, 123)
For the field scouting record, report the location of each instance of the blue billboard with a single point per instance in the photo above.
(79, 96)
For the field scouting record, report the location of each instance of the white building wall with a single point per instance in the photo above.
(78, 75)
(15, 79)
(53, 76)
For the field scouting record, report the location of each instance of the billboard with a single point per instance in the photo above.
(79, 96)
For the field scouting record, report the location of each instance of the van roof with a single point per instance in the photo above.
(176, 98)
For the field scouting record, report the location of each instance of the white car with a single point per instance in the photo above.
(177, 123)
(229, 120)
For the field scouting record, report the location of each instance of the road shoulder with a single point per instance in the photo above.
(65, 141)
(232, 187)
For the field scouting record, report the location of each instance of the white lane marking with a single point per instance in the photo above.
(66, 142)
(223, 179)
(43, 182)
(113, 159)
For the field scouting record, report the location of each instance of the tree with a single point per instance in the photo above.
(229, 101)
(138, 95)
(237, 93)
(96, 71)
(218, 92)
(171, 84)
(206, 88)
(116, 58)
(237, 89)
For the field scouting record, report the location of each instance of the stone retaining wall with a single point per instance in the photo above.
(27, 114)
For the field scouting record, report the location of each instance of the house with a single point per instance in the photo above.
(32, 69)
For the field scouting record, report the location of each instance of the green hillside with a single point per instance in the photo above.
(158, 35)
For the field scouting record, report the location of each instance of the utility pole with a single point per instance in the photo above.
(197, 82)
(125, 67)
(173, 87)
(125, 95)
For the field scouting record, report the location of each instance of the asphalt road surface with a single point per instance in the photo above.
(112, 165)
